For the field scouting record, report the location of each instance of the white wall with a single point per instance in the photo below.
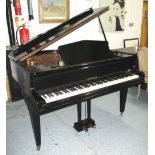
(91, 30)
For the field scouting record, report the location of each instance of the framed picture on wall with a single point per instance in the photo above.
(53, 11)
(114, 19)
(134, 42)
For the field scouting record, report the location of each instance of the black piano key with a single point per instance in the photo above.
(43, 93)
(44, 96)
(59, 92)
(130, 74)
(71, 89)
(125, 74)
(120, 76)
(74, 87)
(79, 87)
(88, 83)
(51, 90)
(110, 79)
(55, 89)
(56, 93)
(93, 83)
(99, 82)
(50, 94)
(84, 84)
(116, 78)
(66, 91)
(104, 80)
(40, 93)
(62, 90)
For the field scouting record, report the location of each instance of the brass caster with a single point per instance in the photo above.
(38, 147)
(121, 114)
(94, 127)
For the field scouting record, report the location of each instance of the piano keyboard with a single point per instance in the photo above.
(52, 95)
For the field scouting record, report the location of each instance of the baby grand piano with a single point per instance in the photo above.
(74, 73)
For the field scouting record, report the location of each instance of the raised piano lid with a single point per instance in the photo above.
(43, 40)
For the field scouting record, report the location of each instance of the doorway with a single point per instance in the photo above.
(144, 26)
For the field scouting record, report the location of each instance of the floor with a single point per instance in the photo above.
(113, 135)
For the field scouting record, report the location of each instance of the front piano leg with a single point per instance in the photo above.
(91, 122)
(123, 96)
(87, 122)
(79, 111)
(35, 121)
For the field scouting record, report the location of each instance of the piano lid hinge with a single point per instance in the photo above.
(102, 28)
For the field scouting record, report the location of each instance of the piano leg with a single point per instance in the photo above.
(35, 121)
(123, 96)
(79, 111)
(89, 109)
(85, 123)
(91, 122)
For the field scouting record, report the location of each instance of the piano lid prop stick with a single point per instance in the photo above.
(30, 9)
(102, 28)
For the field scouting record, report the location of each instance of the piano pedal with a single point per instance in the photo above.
(84, 125)
(86, 129)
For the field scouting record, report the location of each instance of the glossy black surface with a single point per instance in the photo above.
(43, 40)
(31, 82)
(49, 33)
(80, 61)
(85, 52)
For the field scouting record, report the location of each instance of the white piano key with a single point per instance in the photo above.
(64, 95)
